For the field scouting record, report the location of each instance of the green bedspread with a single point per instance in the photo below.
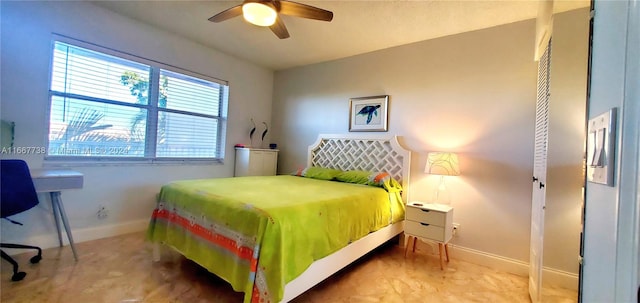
(259, 233)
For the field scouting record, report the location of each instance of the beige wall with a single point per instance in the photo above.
(128, 192)
(472, 93)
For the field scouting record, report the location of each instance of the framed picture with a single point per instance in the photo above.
(601, 138)
(369, 114)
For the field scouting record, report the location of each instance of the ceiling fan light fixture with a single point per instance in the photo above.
(259, 14)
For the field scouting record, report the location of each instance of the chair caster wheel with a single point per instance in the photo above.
(35, 259)
(18, 276)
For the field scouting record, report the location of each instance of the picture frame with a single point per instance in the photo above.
(369, 114)
(601, 138)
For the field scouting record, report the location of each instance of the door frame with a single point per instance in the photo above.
(628, 237)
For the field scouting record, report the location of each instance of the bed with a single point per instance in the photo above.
(275, 237)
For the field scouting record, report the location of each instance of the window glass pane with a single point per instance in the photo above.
(94, 129)
(186, 136)
(186, 93)
(84, 72)
(100, 107)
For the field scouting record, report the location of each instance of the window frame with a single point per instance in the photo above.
(152, 108)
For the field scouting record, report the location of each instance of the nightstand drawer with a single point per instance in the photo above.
(428, 231)
(426, 216)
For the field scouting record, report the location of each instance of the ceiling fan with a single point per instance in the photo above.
(266, 13)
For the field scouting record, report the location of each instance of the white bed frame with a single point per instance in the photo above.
(346, 152)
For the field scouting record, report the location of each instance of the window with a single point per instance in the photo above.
(107, 105)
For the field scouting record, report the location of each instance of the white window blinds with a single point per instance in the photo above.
(108, 107)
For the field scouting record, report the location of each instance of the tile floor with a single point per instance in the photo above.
(119, 269)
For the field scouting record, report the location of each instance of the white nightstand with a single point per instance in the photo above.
(432, 222)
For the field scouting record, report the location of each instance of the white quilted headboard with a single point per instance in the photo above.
(376, 154)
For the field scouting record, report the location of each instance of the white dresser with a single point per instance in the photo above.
(432, 222)
(256, 162)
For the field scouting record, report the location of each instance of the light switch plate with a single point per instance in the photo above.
(601, 138)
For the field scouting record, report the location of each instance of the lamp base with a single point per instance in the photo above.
(442, 195)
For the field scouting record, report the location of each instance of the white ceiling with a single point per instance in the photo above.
(358, 26)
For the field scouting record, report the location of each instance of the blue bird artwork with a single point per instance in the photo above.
(369, 111)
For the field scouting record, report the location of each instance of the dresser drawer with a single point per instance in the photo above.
(426, 216)
(428, 231)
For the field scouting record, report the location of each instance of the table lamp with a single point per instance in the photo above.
(442, 164)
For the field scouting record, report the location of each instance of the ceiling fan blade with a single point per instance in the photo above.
(295, 9)
(279, 29)
(227, 14)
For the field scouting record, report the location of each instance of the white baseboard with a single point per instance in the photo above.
(490, 260)
(550, 276)
(82, 235)
(93, 233)
(559, 278)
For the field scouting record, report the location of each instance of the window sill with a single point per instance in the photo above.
(69, 162)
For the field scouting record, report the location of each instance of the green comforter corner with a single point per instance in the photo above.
(259, 233)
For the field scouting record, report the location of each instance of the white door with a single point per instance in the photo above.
(539, 177)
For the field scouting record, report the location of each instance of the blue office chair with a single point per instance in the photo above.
(17, 195)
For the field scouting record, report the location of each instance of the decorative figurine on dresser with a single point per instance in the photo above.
(252, 161)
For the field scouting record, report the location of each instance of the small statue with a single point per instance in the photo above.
(253, 130)
(264, 133)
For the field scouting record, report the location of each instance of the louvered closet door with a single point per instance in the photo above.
(539, 177)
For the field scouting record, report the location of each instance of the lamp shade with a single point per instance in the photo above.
(442, 163)
(261, 14)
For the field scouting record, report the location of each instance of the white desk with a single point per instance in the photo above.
(53, 181)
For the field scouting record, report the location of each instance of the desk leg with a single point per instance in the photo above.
(56, 216)
(55, 196)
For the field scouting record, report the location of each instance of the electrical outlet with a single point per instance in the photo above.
(102, 212)
(456, 228)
